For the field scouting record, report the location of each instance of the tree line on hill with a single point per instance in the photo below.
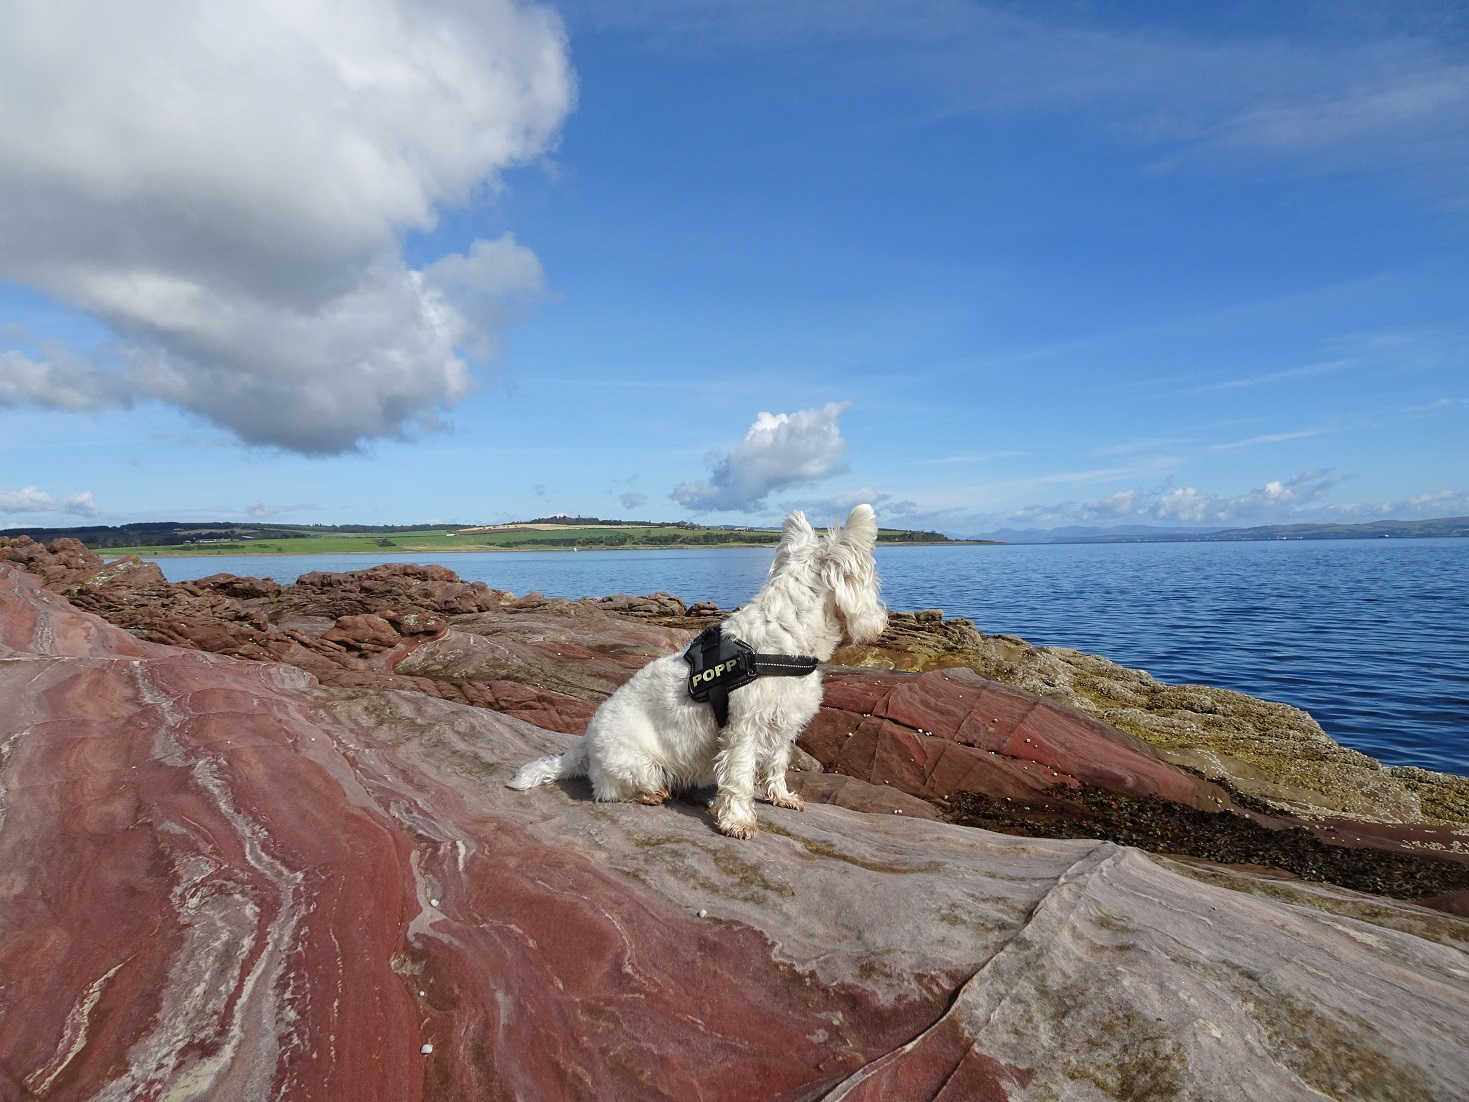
(176, 534)
(156, 533)
(590, 522)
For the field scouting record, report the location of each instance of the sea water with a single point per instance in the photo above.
(1369, 636)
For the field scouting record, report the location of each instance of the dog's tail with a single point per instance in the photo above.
(556, 767)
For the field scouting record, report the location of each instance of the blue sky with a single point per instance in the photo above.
(986, 266)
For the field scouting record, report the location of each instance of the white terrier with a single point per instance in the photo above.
(652, 737)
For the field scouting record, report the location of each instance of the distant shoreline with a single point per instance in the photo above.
(1435, 528)
(124, 552)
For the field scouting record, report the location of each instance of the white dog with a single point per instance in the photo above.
(652, 737)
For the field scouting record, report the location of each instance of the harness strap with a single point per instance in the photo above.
(718, 693)
(784, 665)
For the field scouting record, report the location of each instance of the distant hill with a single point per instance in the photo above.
(1378, 529)
(540, 534)
(1118, 534)
(167, 533)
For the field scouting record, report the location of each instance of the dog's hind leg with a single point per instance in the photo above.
(624, 772)
(638, 781)
(623, 762)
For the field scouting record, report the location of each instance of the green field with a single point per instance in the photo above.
(440, 540)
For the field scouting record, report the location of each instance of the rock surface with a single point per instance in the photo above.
(1263, 749)
(566, 655)
(1070, 745)
(948, 731)
(223, 880)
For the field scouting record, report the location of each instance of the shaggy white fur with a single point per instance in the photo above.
(650, 737)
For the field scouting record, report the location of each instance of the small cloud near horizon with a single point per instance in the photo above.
(778, 450)
(32, 499)
(259, 510)
(1297, 499)
(834, 509)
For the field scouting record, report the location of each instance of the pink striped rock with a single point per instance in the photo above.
(947, 731)
(221, 880)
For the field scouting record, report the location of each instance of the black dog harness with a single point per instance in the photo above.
(719, 663)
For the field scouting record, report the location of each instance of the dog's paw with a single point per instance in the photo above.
(739, 828)
(734, 817)
(788, 799)
(653, 799)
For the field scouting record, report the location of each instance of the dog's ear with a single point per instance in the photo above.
(860, 531)
(796, 530)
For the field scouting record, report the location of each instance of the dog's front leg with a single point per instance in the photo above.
(734, 773)
(773, 778)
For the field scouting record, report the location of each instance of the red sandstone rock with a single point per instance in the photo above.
(363, 632)
(579, 652)
(232, 586)
(60, 563)
(128, 573)
(651, 606)
(948, 731)
(221, 881)
(552, 660)
(417, 623)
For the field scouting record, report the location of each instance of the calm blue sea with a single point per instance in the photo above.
(1369, 636)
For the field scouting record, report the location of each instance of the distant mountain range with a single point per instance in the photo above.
(1136, 533)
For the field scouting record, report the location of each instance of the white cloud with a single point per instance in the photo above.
(1437, 503)
(1276, 501)
(1299, 498)
(977, 457)
(32, 499)
(1121, 504)
(259, 510)
(1183, 506)
(1305, 371)
(779, 450)
(1339, 91)
(633, 500)
(1267, 438)
(227, 188)
(1142, 444)
(835, 508)
(59, 379)
(80, 505)
(1412, 100)
(1438, 404)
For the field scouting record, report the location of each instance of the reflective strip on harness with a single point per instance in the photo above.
(720, 663)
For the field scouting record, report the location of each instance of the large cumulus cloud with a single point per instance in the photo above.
(227, 186)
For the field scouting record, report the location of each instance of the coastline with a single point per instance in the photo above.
(1130, 759)
(1029, 593)
(125, 552)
